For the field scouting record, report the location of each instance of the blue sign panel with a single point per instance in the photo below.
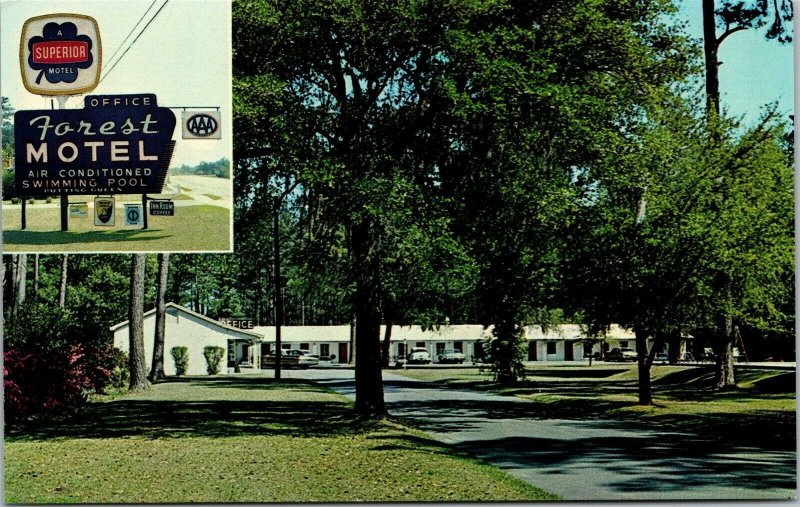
(116, 144)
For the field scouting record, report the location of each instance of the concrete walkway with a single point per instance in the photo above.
(580, 459)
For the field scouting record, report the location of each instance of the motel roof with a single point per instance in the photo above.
(176, 308)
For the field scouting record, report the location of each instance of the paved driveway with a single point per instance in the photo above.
(580, 459)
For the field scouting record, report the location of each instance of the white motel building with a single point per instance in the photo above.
(333, 343)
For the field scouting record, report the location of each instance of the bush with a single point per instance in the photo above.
(120, 369)
(213, 358)
(181, 357)
(9, 185)
(49, 383)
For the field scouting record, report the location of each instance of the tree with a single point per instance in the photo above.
(138, 370)
(20, 281)
(734, 15)
(353, 80)
(157, 366)
(62, 293)
(542, 90)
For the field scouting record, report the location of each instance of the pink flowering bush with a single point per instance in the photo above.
(51, 383)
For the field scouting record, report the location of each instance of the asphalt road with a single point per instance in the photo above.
(576, 458)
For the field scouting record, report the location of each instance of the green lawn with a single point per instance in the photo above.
(192, 228)
(241, 439)
(761, 410)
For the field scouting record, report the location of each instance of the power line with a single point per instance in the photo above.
(133, 28)
(134, 41)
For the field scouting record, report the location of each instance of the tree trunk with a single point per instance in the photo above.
(645, 387)
(20, 282)
(276, 244)
(725, 336)
(723, 349)
(508, 368)
(157, 368)
(136, 325)
(710, 49)
(62, 292)
(36, 278)
(387, 342)
(369, 380)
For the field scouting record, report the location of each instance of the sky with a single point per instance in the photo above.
(184, 57)
(754, 71)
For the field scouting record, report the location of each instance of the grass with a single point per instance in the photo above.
(761, 410)
(241, 439)
(165, 233)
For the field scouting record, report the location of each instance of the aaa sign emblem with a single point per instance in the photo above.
(60, 54)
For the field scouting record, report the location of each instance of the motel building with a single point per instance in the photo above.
(247, 345)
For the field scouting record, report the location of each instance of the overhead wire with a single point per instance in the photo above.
(134, 40)
(133, 28)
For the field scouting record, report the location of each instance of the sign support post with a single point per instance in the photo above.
(64, 212)
(24, 222)
(144, 211)
(62, 101)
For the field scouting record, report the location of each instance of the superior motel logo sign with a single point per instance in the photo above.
(116, 144)
(60, 54)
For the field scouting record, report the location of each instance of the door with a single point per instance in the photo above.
(342, 352)
(568, 351)
(531, 350)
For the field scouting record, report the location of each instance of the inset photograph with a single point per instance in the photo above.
(116, 136)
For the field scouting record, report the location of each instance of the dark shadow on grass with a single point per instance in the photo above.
(132, 416)
(65, 238)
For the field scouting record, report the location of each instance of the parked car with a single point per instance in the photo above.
(452, 356)
(304, 357)
(662, 358)
(399, 361)
(287, 361)
(419, 355)
(291, 358)
(616, 354)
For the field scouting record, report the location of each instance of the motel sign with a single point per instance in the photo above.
(60, 54)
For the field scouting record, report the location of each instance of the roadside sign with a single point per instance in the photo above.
(116, 144)
(104, 211)
(60, 54)
(133, 214)
(201, 125)
(78, 210)
(162, 208)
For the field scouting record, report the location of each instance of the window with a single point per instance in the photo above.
(285, 346)
(458, 346)
(623, 344)
(420, 344)
(305, 346)
(551, 347)
(439, 348)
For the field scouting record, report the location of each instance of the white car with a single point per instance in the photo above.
(452, 356)
(419, 355)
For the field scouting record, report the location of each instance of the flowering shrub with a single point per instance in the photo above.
(50, 383)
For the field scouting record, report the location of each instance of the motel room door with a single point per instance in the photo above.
(568, 351)
(343, 353)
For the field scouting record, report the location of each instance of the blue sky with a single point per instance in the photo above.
(754, 71)
(184, 57)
